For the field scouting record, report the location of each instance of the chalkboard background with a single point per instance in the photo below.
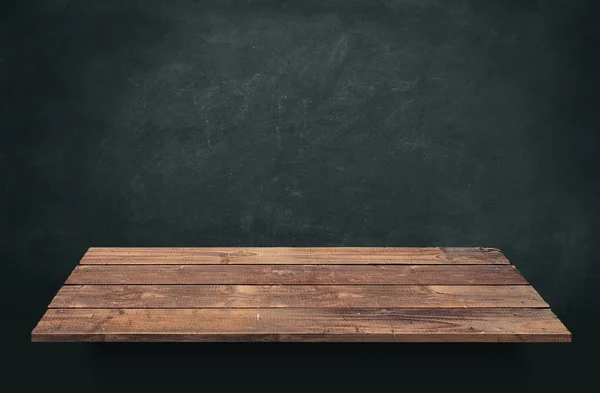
(319, 123)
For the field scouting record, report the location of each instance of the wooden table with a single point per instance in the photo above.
(298, 294)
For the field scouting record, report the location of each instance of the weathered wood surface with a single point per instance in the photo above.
(298, 274)
(280, 296)
(294, 256)
(312, 324)
(298, 294)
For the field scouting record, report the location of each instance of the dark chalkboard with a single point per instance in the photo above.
(315, 123)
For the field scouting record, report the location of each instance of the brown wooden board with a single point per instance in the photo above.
(312, 324)
(298, 274)
(281, 296)
(294, 256)
(298, 294)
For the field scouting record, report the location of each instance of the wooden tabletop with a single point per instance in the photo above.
(298, 294)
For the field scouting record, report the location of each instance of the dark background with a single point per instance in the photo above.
(319, 123)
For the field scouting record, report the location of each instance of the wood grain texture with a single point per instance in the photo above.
(396, 325)
(298, 274)
(282, 296)
(298, 294)
(294, 256)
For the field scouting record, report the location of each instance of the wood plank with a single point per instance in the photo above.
(295, 255)
(298, 274)
(396, 325)
(281, 296)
